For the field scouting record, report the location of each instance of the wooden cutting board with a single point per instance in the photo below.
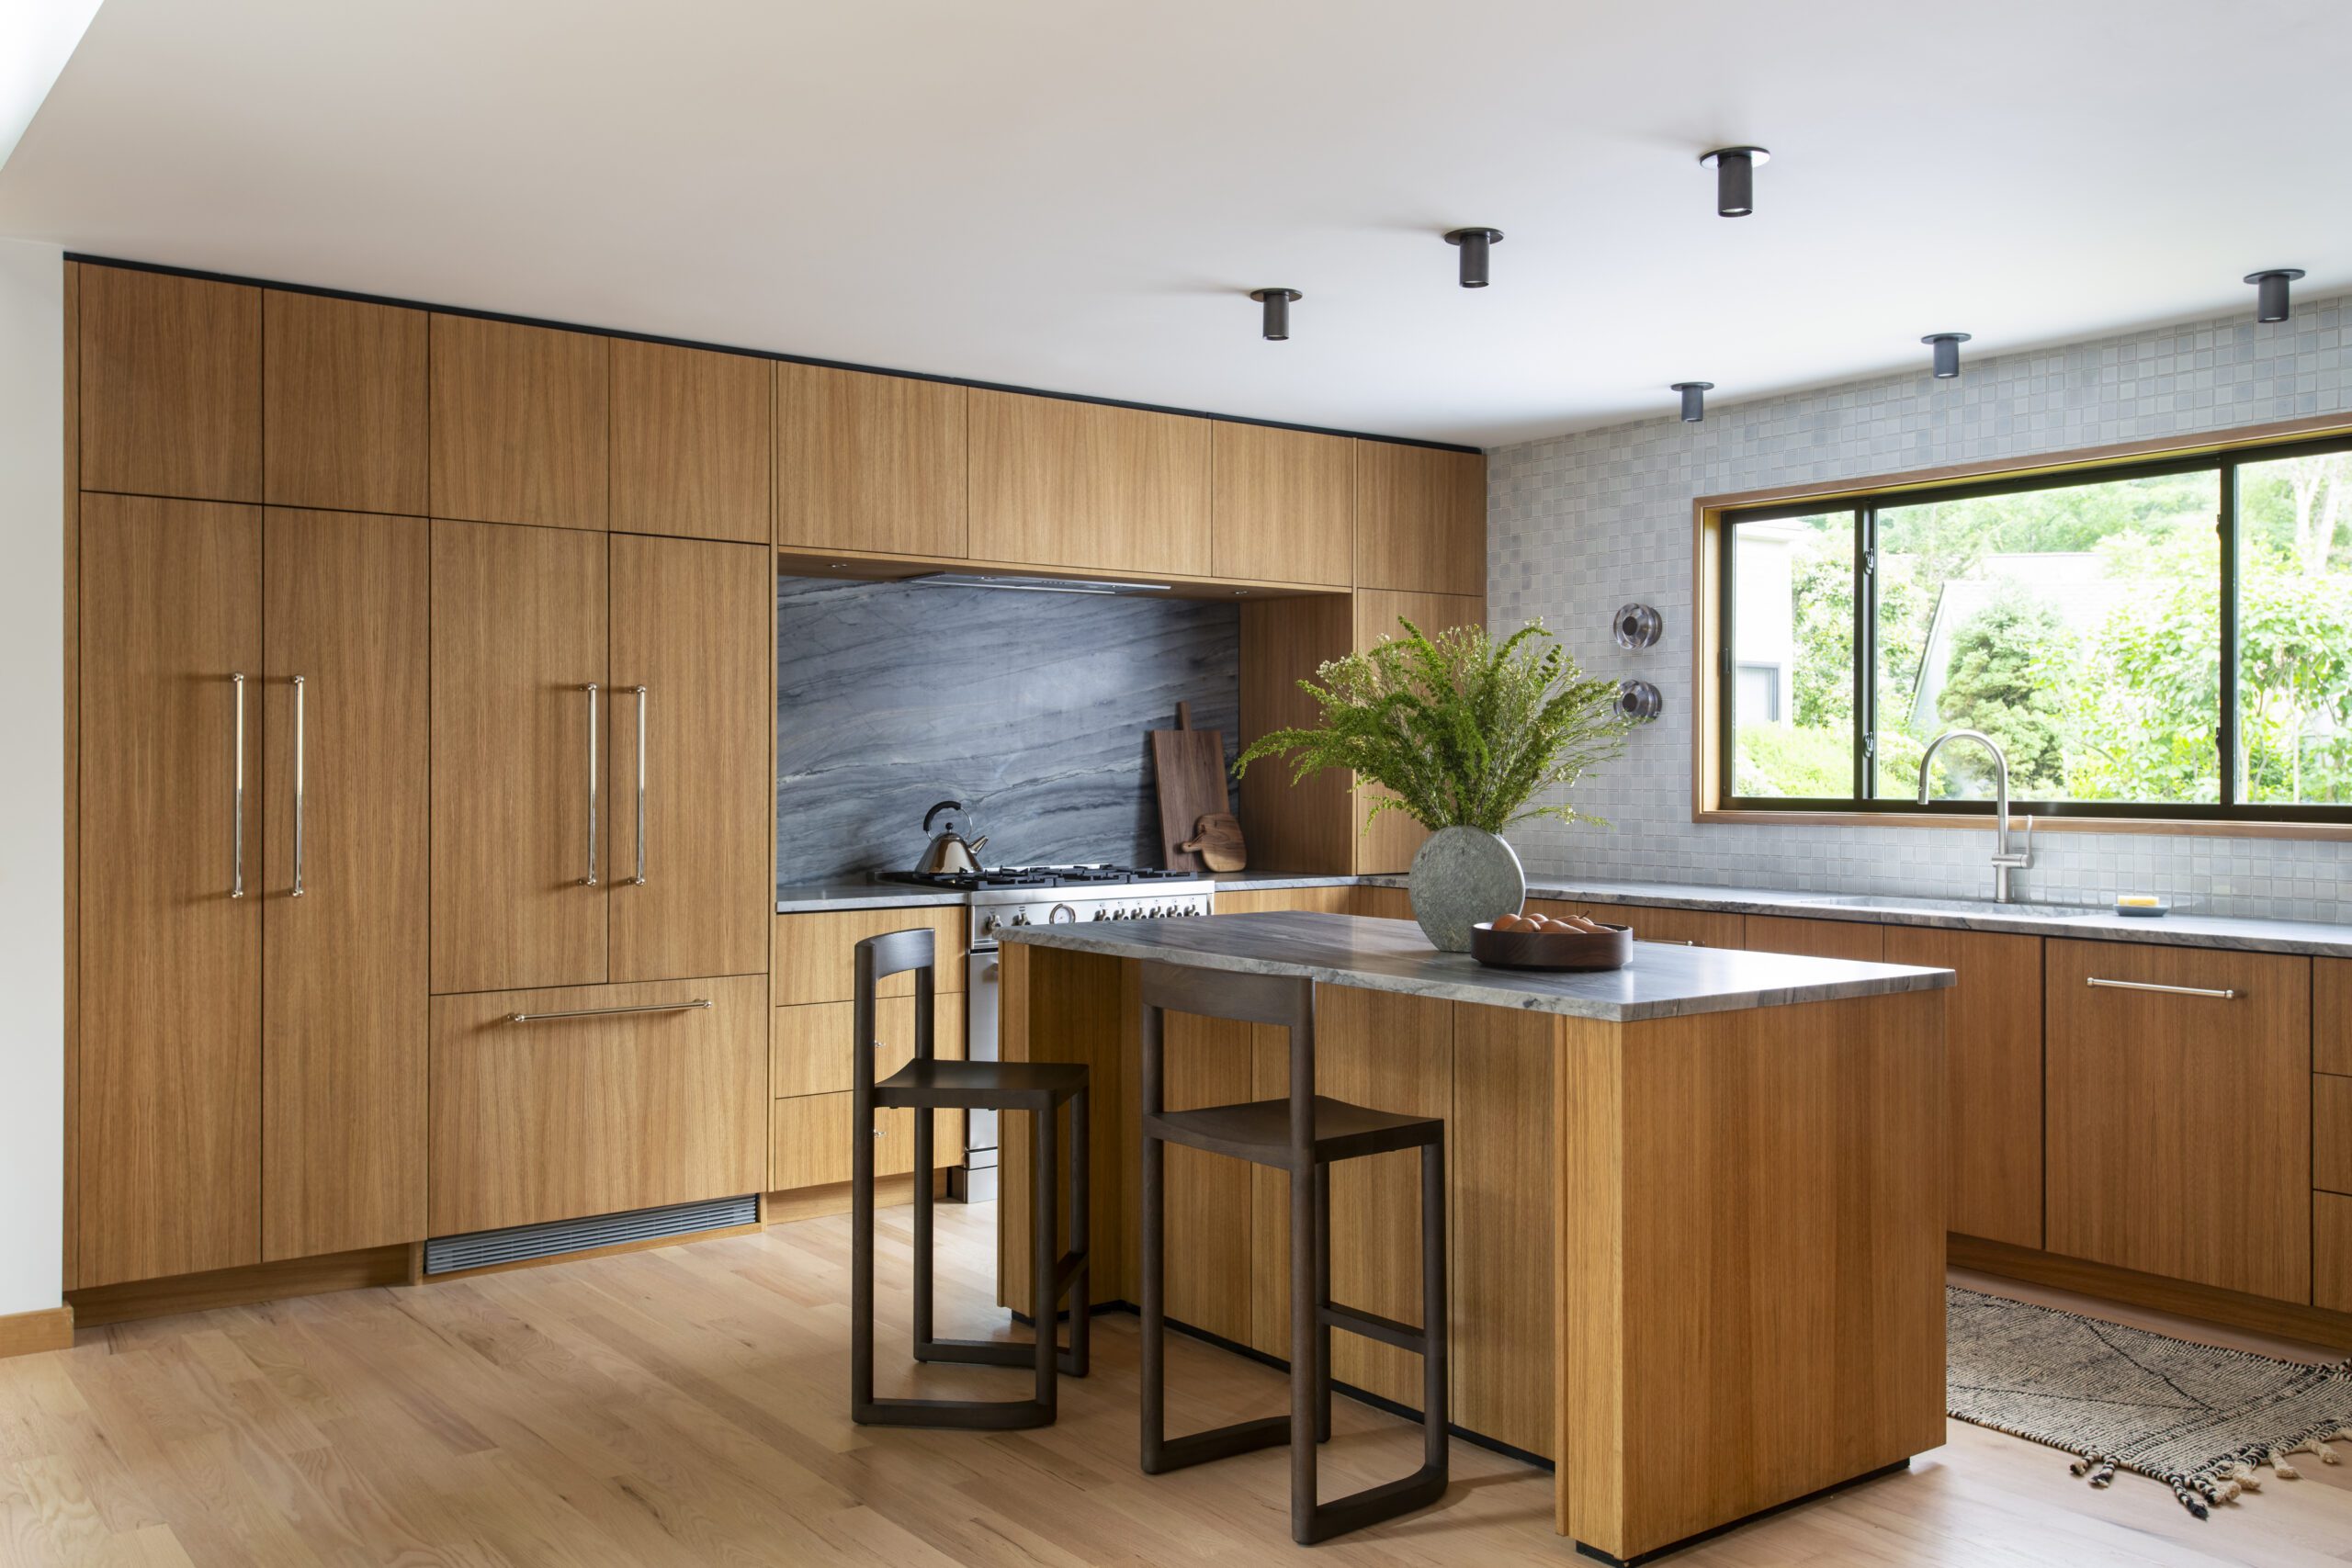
(1189, 766)
(1216, 838)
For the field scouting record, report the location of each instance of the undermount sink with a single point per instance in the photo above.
(1961, 906)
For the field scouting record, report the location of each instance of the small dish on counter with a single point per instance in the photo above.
(2142, 908)
(1606, 949)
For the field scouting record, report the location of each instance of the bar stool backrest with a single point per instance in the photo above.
(878, 958)
(1277, 1000)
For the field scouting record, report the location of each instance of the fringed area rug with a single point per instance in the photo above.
(2196, 1417)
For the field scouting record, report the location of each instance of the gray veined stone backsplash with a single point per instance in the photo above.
(1031, 708)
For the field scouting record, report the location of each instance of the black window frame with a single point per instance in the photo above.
(1865, 506)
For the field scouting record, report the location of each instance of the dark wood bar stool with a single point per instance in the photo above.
(924, 1085)
(1305, 1135)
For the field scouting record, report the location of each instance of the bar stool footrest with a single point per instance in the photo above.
(1372, 1325)
(963, 1415)
(1374, 1504)
(1219, 1442)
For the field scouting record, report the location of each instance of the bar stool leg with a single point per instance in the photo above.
(1436, 1401)
(1150, 1261)
(1082, 1239)
(922, 1296)
(1043, 1251)
(861, 1266)
(1306, 1363)
(1322, 1300)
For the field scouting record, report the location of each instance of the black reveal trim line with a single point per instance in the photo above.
(754, 353)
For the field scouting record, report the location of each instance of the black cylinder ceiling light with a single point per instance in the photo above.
(1947, 348)
(2271, 292)
(1694, 400)
(1475, 244)
(1276, 325)
(1736, 178)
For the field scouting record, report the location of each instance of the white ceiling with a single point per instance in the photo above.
(1077, 197)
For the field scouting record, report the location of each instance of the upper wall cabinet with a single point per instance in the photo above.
(867, 462)
(1420, 519)
(171, 385)
(520, 420)
(690, 443)
(1060, 483)
(343, 404)
(1283, 507)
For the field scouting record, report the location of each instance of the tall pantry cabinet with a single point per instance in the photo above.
(349, 595)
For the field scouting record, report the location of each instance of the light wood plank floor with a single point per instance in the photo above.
(687, 1407)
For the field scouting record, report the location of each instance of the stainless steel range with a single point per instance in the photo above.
(1006, 897)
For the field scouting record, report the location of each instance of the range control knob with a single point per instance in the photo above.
(1102, 914)
(1021, 920)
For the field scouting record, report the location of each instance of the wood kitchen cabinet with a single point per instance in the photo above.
(2179, 1120)
(2332, 1133)
(345, 605)
(520, 424)
(869, 462)
(170, 372)
(1395, 838)
(1681, 928)
(1283, 505)
(690, 714)
(1992, 1077)
(1058, 483)
(172, 888)
(344, 399)
(603, 1098)
(690, 442)
(2331, 1015)
(816, 952)
(1420, 519)
(520, 650)
(1853, 939)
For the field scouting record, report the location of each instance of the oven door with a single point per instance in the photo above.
(975, 1182)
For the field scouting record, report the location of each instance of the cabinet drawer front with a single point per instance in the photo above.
(1852, 940)
(591, 1114)
(816, 953)
(1683, 927)
(809, 1141)
(2160, 1100)
(2331, 1015)
(813, 1044)
(1339, 900)
(2331, 1252)
(2332, 1133)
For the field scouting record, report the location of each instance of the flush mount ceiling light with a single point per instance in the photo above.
(1694, 399)
(2270, 291)
(1277, 316)
(1736, 178)
(1475, 244)
(1947, 347)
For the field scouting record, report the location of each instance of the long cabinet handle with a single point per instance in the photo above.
(590, 880)
(640, 785)
(299, 792)
(237, 793)
(2167, 991)
(700, 1002)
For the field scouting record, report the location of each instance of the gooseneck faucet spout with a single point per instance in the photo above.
(2004, 862)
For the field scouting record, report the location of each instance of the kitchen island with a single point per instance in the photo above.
(1694, 1206)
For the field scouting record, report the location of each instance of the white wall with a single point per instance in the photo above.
(1581, 524)
(32, 791)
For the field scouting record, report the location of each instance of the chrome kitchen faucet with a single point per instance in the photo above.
(2004, 862)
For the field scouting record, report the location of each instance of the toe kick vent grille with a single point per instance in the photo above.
(448, 1254)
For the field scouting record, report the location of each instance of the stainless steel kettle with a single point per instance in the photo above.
(948, 852)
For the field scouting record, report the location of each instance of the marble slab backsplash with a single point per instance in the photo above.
(1031, 708)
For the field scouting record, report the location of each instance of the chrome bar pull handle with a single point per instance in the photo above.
(699, 1003)
(297, 893)
(590, 880)
(640, 785)
(2167, 991)
(237, 794)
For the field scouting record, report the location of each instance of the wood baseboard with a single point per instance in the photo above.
(816, 1202)
(23, 1333)
(136, 1299)
(2234, 1309)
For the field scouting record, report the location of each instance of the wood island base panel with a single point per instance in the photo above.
(1697, 1262)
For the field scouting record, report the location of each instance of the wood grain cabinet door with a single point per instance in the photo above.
(520, 424)
(690, 442)
(171, 385)
(170, 982)
(867, 462)
(689, 890)
(347, 608)
(1420, 519)
(520, 821)
(343, 404)
(1282, 507)
(2180, 1120)
(638, 1098)
(1059, 483)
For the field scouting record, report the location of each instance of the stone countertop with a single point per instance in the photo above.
(807, 898)
(1392, 956)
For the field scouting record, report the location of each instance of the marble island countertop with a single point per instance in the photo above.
(1392, 956)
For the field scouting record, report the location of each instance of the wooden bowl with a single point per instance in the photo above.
(1551, 950)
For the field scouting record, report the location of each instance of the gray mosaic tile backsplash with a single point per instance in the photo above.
(1031, 708)
(1581, 524)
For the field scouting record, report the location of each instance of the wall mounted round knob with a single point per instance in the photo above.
(1639, 700)
(1637, 626)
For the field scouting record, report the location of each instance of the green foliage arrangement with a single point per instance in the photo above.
(1460, 730)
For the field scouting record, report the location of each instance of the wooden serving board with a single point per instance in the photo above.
(1189, 766)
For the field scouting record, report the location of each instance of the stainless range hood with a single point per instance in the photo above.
(1040, 584)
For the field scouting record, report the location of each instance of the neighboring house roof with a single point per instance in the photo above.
(2074, 584)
